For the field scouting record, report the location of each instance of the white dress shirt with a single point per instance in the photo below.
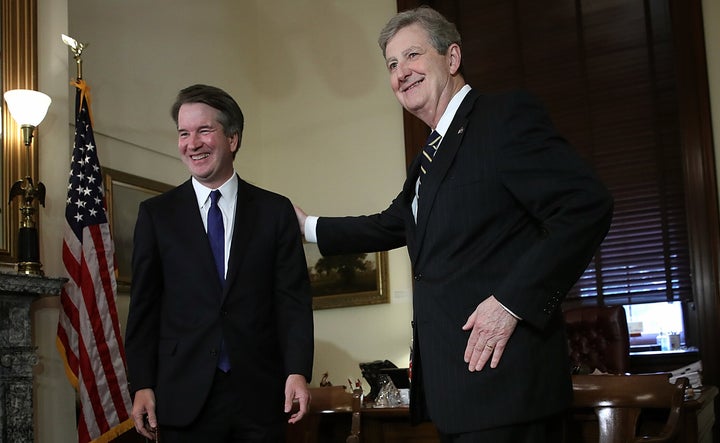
(227, 203)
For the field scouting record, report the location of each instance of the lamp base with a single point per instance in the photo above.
(29, 252)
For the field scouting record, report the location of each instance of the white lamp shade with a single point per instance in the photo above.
(26, 106)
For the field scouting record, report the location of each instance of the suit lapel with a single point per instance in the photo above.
(193, 231)
(441, 164)
(245, 216)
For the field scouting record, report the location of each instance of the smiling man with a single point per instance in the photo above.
(219, 335)
(500, 217)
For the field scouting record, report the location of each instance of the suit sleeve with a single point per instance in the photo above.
(293, 298)
(367, 233)
(571, 207)
(142, 334)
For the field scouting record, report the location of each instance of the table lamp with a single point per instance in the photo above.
(28, 108)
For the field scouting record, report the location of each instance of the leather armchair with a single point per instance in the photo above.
(598, 338)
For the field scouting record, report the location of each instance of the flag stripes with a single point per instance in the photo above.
(88, 337)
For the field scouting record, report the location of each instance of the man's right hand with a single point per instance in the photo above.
(144, 406)
(301, 216)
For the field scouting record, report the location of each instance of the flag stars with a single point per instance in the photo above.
(78, 217)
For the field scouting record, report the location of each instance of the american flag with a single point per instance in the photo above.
(88, 334)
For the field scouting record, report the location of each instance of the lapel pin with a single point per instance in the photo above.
(460, 131)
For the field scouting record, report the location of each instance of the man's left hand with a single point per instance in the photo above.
(492, 325)
(296, 390)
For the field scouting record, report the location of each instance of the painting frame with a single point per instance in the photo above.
(329, 290)
(123, 194)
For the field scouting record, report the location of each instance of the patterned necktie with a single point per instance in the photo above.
(216, 235)
(431, 146)
(426, 158)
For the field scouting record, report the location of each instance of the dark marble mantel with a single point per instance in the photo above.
(17, 353)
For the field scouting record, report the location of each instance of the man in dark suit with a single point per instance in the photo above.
(499, 223)
(220, 332)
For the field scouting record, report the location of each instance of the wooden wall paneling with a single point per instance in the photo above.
(700, 179)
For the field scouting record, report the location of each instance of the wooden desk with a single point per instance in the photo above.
(392, 425)
(661, 361)
(378, 425)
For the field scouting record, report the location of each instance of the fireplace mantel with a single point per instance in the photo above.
(17, 353)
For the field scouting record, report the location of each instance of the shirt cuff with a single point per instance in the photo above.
(310, 228)
(504, 307)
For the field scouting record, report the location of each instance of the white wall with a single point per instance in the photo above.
(54, 398)
(312, 84)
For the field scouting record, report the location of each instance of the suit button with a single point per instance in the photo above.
(224, 313)
(418, 276)
(214, 353)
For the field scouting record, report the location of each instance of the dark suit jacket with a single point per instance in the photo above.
(179, 310)
(507, 209)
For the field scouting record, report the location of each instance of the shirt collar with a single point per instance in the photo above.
(228, 190)
(449, 114)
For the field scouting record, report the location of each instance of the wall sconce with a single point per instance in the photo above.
(28, 109)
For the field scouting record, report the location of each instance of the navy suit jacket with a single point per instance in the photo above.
(180, 311)
(508, 209)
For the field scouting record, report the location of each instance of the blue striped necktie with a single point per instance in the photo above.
(429, 150)
(427, 155)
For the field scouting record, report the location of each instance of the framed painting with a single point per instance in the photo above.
(346, 280)
(123, 194)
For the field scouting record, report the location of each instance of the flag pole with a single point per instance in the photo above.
(88, 337)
